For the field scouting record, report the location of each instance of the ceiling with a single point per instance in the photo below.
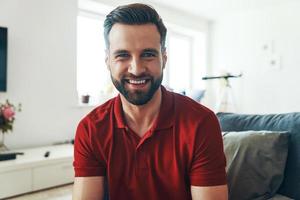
(215, 9)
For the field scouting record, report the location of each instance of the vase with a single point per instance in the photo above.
(2, 144)
(85, 99)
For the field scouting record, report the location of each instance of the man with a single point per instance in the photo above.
(147, 142)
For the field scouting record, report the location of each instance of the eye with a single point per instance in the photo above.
(148, 55)
(122, 55)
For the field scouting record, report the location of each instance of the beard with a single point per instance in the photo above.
(138, 97)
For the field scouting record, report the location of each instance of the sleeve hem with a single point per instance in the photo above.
(211, 179)
(89, 172)
(209, 183)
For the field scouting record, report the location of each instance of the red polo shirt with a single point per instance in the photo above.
(183, 148)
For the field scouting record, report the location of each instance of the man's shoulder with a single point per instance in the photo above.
(192, 119)
(188, 107)
(100, 113)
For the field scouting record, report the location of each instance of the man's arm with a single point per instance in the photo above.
(219, 192)
(208, 170)
(91, 188)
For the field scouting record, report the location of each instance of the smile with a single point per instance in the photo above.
(137, 82)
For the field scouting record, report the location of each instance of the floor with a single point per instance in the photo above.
(58, 193)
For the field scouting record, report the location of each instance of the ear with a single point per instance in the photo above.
(107, 59)
(164, 57)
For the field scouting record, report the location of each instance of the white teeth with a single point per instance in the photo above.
(137, 82)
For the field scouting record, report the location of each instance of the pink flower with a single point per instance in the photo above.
(8, 113)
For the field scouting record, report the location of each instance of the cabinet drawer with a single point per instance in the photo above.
(15, 182)
(52, 175)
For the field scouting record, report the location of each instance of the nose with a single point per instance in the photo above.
(136, 67)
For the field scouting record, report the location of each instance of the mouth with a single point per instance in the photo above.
(137, 83)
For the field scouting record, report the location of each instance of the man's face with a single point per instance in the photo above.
(135, 61)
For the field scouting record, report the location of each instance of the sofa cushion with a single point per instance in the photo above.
(274, 122)
(280, 197)
(255, 163)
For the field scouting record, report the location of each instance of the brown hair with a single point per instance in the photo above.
(135, 14)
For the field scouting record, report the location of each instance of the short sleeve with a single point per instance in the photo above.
(209, 162)
(85, 162)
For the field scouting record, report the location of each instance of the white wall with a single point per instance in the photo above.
(238, 42)
(41, 70)
(168, 14)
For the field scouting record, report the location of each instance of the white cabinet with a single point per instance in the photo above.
(33, 171)
(57, 174)
(15, 182)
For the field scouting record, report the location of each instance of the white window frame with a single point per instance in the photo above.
(198, 44)
(168, 67)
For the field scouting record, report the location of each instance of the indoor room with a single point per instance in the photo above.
(238, 58)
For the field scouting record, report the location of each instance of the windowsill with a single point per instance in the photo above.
(95, 102)
(87, 105)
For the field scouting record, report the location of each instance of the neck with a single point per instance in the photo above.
(141, 118)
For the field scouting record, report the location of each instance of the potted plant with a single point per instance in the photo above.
(7, 118)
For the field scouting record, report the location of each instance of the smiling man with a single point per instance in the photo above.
(148, 143)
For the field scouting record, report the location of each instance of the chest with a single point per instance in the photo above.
(159, 161)
(163, 154)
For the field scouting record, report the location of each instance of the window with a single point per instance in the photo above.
(92, 75)
(179, 54)
(186, 59)
(185, 65)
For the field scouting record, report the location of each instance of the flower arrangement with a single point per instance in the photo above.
(7, 116)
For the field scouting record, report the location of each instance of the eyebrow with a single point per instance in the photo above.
(121, 51)
(151, 50)
(117, 52)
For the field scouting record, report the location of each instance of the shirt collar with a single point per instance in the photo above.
(165, 117)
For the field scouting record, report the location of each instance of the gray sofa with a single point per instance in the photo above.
(287, 125)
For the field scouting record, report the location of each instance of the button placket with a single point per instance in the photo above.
(141, 168)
